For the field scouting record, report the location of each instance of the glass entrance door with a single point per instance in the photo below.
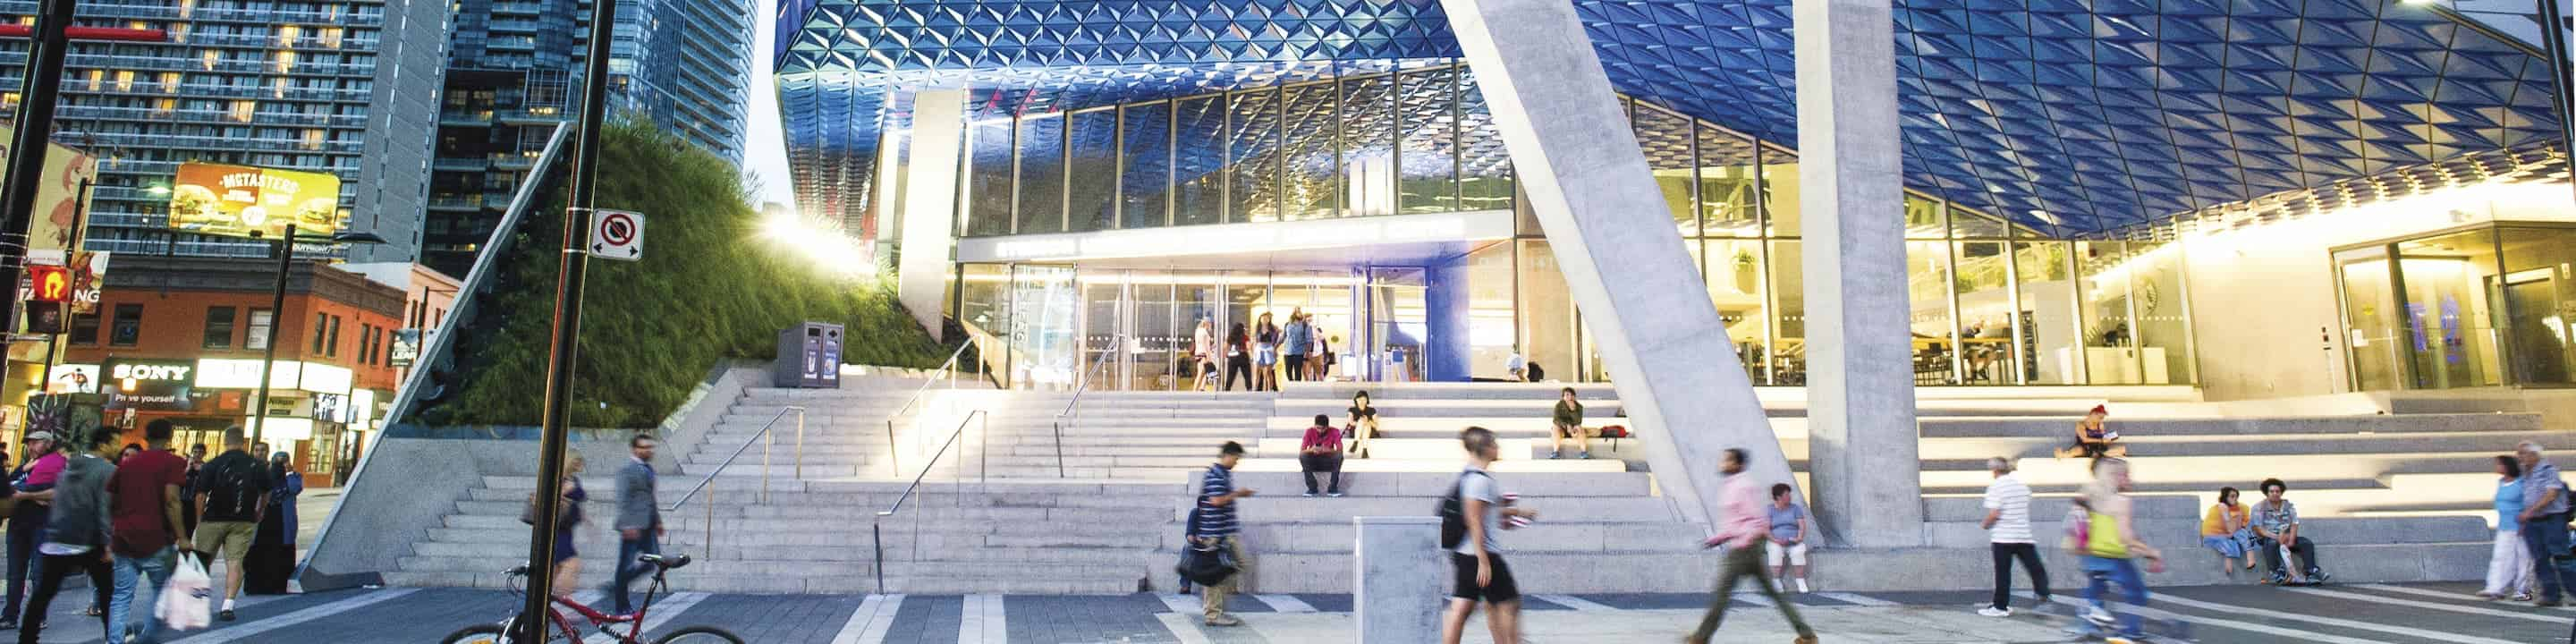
(2369, 319)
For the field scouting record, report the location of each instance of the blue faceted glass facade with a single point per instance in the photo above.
(2069, 117)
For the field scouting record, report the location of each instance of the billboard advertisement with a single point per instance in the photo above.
(237, 200)
(150, 385)
(57, 196)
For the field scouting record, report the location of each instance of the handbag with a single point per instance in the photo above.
(563, 511)
(1206, 564)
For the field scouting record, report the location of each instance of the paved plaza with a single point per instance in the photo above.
(2357, 614)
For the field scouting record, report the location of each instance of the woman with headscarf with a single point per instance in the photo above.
(272, 549)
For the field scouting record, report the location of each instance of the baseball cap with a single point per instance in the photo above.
(40, 436)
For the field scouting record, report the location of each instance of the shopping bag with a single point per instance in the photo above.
(1206, 564)
(183, 601)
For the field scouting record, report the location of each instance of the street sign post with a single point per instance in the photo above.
(617, 234)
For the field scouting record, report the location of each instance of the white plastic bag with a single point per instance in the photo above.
(183, 602)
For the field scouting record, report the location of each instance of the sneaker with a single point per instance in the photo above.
(2100, 617)
(1552, 455)
(1991, 611)
(1224, 620)
(1310, 495)
(1334, 494)
(1587, 455)
(2524, 597)
(9, 624)
(2316, 576)
(225, 615)
(2490, 595)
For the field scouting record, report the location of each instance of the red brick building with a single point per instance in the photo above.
(199, 324)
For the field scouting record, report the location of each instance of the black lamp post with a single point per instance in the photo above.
(277, 310)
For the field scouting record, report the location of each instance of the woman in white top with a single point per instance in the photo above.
(1202, 354)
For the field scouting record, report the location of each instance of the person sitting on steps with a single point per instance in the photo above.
(1321, 453)
(1567, 423)
(1363, 424)
(2092, 440)
(2276, 528)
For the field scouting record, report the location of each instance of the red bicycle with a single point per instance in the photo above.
(662, 565)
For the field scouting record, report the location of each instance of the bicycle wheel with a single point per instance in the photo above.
(699, 635)
(476, 634)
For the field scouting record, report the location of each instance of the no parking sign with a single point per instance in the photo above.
(617, 234)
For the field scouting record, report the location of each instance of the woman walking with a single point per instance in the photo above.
(2509, 569)
(2111, 548)
(272, 548)
(1265, 355)
(1203, 356)
(568, 562)
(1238, 358)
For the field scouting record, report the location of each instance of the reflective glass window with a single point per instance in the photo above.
(1985, 313)
(1368, 146)
(1485, 168)
(1923, 218)
(1198, 185)
(1665, 138)
(1788, 315)
(1041, 144)
(1427, 103)
(988, 192)
(1146, 151)
(1726, 185)
(1254, 153)
(2049, 349)
(1780, 192)
(1091, 192)
(1308, 158)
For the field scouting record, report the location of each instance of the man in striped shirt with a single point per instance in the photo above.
(2008, 525)
(1214, 525)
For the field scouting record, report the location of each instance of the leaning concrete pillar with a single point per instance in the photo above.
(1861, 439)
(1612, 234)
(929, 203)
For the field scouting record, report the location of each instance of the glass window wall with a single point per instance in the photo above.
(1726, 184)
(1484, 167)
(1427, 105)
(989, 191)
(1145, 150)
(1041, 145)
(1198, 180)
(1091, 192)
(1254, 152)
(1368, 162)
(1665, 138)
(1309, 165)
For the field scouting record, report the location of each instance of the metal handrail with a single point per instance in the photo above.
(876, 529)
(1082, 383)
(768, 441)
(894, 453)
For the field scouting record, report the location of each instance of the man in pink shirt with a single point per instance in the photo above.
(1740, 530)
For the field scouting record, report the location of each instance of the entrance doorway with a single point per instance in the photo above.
(1136, 329)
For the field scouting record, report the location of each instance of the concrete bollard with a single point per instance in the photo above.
(1402, 579)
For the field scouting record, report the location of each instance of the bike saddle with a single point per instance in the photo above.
(667, 562)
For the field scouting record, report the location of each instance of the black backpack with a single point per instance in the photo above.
(1453, 513)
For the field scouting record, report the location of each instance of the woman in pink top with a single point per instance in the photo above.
(1321, 452)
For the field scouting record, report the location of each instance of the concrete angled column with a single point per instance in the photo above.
(1862, 444)
(1445, 308)
(930, 203)
(1606, 221)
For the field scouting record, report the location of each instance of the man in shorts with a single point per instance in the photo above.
(233, 491)
(1482, 577)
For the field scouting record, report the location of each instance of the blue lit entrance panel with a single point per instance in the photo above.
(2069, 116)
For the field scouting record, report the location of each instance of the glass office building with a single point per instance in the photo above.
(2106, 194)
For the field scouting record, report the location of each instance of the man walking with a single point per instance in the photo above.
(234, 491)
(76, 533)
(1739, 531)
(1482, 576)
(2544, 524)
(27, 520)
(639, 519)
(1216, 527)
(143, 509)
(2007, 527)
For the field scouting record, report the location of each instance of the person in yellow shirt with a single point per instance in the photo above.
(2223, 530)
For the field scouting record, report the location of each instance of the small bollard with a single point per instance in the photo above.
(1401, 582)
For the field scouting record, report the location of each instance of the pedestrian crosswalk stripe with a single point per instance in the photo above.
(2296, 635)
(1858, 600)
(1183, 627)
(983, 622)
(660, 613)
(1286, 603)
(1570, 601)
(2437, 636)
(254, 629)
(868, 625)
(2472, 610)
(1182, 603)
(1750, 598)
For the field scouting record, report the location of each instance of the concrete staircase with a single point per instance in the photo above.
(992, 514)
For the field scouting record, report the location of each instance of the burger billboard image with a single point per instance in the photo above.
(235, 200)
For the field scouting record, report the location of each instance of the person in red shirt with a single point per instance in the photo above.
(143, 513)
(1321, 452)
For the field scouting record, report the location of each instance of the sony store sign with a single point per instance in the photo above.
(154, 385)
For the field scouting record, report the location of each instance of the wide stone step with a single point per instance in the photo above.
(1433, 484)
(2060, 427)
(1543, 536)
(1593, 410)
(1660, 571)
(1288, 506)
(1080, 486)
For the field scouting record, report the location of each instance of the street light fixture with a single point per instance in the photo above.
(277, 310)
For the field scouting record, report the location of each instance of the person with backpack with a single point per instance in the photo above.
(76, 532)
(1213, 524)
(1469, 515)
(235, 490)
(1745, 519)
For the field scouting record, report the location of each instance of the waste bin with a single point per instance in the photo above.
(809, 356)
